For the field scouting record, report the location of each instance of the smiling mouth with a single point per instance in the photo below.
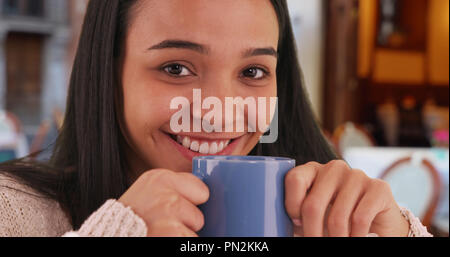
(202, 146)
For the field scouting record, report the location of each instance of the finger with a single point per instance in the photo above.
(369, 207)
(317, 201)
(191, 187)
(297, 183)
(338, 221)
(189, 214)
(186, 184)
(170, 228)
(298, 231)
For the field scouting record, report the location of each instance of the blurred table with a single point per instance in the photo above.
(375, 160)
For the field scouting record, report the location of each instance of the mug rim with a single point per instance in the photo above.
(242, 158)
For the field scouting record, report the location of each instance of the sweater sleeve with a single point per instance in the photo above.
(416, 229)
(112, 219)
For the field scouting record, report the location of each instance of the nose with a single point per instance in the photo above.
(219, 105)
(220, 85)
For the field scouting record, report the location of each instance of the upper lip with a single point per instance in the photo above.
(210, 136)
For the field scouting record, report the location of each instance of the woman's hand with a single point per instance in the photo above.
(335, 200)
(167, 202)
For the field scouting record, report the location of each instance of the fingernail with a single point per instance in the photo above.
(297, 222)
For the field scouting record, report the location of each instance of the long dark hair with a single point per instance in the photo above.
(88, 164)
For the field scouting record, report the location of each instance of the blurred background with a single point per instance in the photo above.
(377, 72)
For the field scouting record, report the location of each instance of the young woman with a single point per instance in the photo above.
(118, 169)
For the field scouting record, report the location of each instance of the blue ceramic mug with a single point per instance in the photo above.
(246, 196)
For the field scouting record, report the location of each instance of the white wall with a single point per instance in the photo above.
(307, 17)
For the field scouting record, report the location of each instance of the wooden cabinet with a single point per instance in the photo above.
(404, 42)
(24, 76)
(377, 54)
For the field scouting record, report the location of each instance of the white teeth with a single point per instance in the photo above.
(195, 146)
(187, 142)
(213, 148)
(204, 148)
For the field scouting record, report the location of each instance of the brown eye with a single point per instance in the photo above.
(254, 73)
(177, 70)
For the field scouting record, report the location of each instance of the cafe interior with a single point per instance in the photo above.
(377, 72)
(386, 97)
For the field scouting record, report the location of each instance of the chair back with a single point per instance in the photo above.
(352, 135)
(416, 185)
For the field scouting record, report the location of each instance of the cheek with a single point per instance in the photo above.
(266, 100)
(144, 112)
(146, 103)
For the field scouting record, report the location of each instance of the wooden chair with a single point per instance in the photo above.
(416, 185)
(351, 135)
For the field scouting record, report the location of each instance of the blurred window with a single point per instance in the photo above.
(34, 8)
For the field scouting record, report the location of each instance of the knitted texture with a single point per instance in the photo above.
(24, 213)
(416, 229)
(113, 220)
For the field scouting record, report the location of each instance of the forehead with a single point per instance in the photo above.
(210, 22)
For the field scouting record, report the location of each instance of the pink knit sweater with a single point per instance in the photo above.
(24, 213)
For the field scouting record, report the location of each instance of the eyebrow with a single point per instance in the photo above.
(181, 44)
(260, 51)
(202, 49)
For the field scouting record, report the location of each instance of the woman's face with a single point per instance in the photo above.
(224, 48)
